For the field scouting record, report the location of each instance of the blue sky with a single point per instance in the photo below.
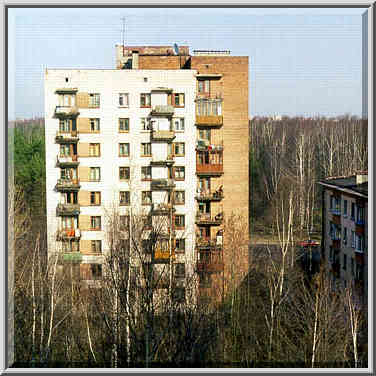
(302, 61)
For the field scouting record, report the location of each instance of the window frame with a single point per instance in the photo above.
(177, 168)
(125, 145)
(144, 195)
(95, 194)
(181, 122)
(179, 248)
(149, 176)
(95, 125)
(179, 194)
(95, 245)
(176, 147)
(127, 171)
(146, 145)
(146, 124)
(121, 96)
(179, 216)
(173, 100)
(94, 226)
(146, 97)
(96, 101)
(126, 123)
(94, 149)
(99, 173)
(127, 202)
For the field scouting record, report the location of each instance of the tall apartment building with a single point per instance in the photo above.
(344, 233)
(163, 136)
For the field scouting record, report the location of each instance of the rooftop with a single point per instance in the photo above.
(357, 182)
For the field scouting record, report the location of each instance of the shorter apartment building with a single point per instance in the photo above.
(344, 231)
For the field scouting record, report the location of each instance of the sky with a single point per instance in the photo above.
(302, 62)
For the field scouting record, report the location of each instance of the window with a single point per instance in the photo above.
(205, 134)
(180, 221)
(64, 125)
(345, 235)
(345, 208)
(209, 107)
(145, 100)
(352, 266)
(146, 149)
(148, 222)
(124, 222)
(147, 246)
(71, 197)
(359, 242)
(180, 270)
(67, 100)
(178, 124)
(180, 245)
(95, 174)
(123, 100)
(124, 198)
(146, 173)
(352, 239)
(179, 197)
(96, 246)
(204, 86)
(68, 173)
(95, 223)
(94, 150)
(331, 254)
(335, 231)
(145, 124)
(65, 150)
(179, 148)
(124, 173)
(178, 294)
(360, 215)
(178, 99)
(94, 125)
(344, 262)
(96, 271)
(94, 100)
(146, 198)
(124, 125)
(68, 223)
(124, 150)
(95, 198)
(353, 210)
(179, 172)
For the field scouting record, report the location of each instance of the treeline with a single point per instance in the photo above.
(297, 153)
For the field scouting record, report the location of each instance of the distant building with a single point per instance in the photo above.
(344, 231)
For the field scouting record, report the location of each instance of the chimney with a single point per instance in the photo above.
(361, 178)
(134, 59)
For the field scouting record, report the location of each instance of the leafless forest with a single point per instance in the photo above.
(277, 317)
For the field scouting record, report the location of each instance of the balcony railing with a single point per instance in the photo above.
(210, 195)
(162, 184)
(68, 209)
(64, 234)
(170, 159)
(72, 257)
(162, 110)
(209, 169)
(68, 184)
(204, 145)
(207, 243)
(70, 160)
(207, 219)
(66, 111)
(162, 209)
(163, 254)
(163, 135)
(69, 137)
(210, 261)
(209, 121)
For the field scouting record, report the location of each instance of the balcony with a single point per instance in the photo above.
(205, 219)
(66, 138)
(63, 112)
(158, 161)
(64, 185)
(162, 184)
(162, 135)
(72, 257)
(215, 121)
(162, 110)
(209, 169)
(207, 243)
(205, 146)
(67, 209)
(210, 195)
(67, 161)
(210, 262)
(68, 234)
(163, 255)
(162, 209)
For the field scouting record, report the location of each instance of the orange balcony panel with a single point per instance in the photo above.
(210, 120)
(209, 168)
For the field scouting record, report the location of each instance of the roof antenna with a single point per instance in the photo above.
(123, 33)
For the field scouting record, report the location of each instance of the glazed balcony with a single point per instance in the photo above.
(162, 209)
(64, 185)
(67, 209)
(163, 255)
(213, 121)
(66, 137)
(63, 112)
(205, 219)
(162, 184)
(162, 110)
(215, 169)
(210, 262)
(210, 195)
(68, 234)
(158, 161)
(162, 135)
(67, 161)
(207, 243)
